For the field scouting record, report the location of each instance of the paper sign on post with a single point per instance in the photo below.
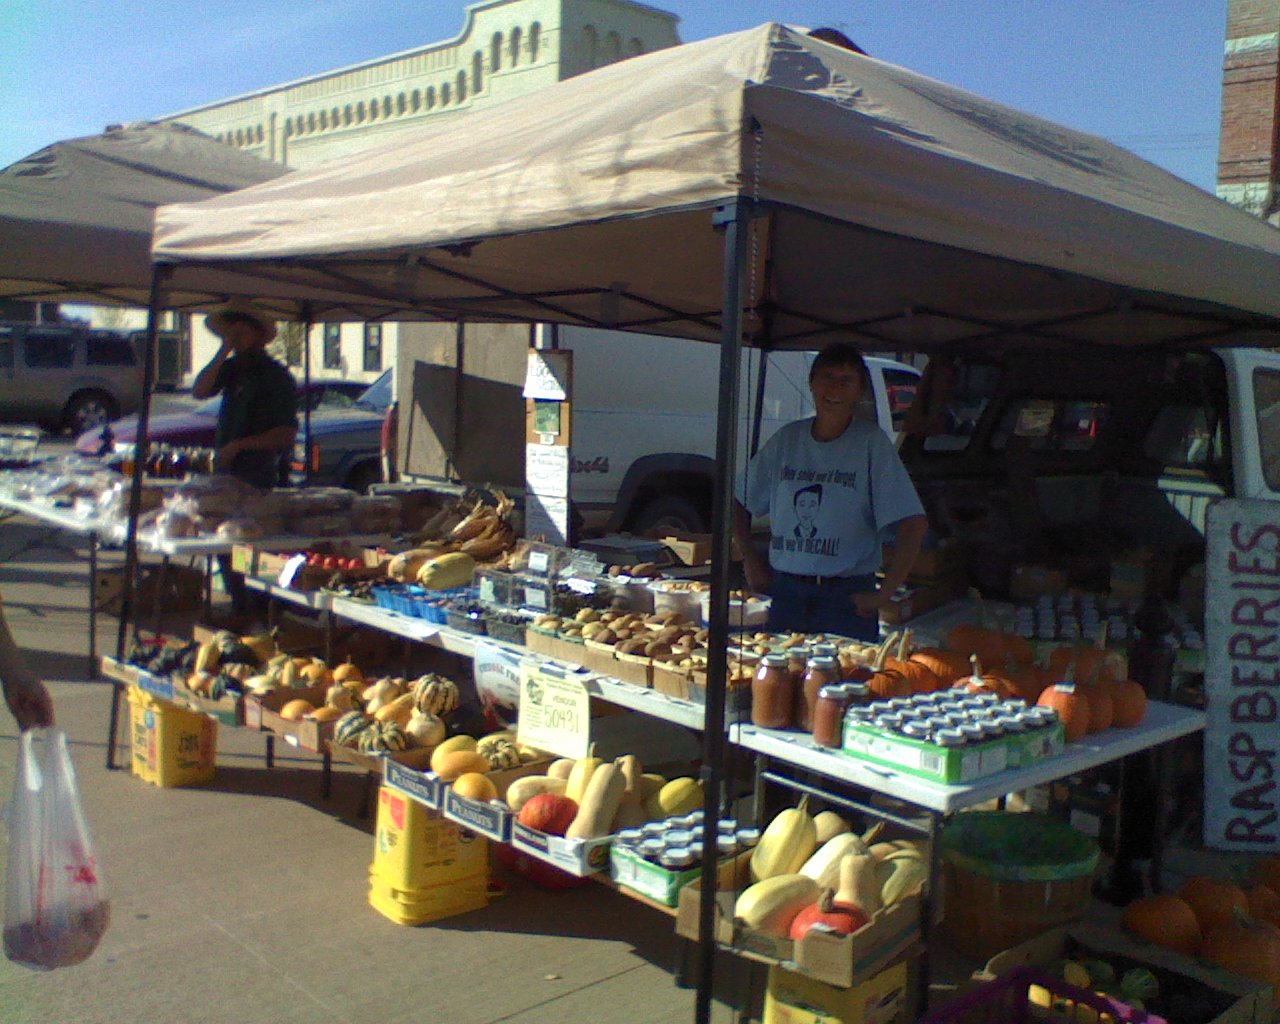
(291, 570)
(547, 376)
(555, 711)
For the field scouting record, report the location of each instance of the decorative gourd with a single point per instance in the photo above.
(1213, 902)
(349, 727)
(1129, 700)
(348, 672)
(828, 915)
(859, 883)
(499, 750)
(452, 765)
(380, 693)
(475, 786)
(1072, 706)
(426, 730)
(599, 804)
(523, 790)
(397, 710)
(1166, 920)
(787, 842)
(382, 738)
(452, 745)
(340, 697)
(827, 825)
(436, 694)
(1248, 948)
(263, 646)
(771, 904)
(316, 675)
(551, 813)
(680, 796)
(296, 710)
(447, 572)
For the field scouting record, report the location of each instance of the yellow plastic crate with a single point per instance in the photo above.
(171, 745)
(415, 849)
(431, 903)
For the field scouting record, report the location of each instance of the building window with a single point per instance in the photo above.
(333, 346)
(462, 86)
(386, 106)
(444, 95)
(477, 71)
(535, 40)
(415, 100)
(495, 53)
(347, 114)
(515, 46)
(372, 348)
(324, 120)
(360, 112)
(431, 96)
(402, 103)
(613, 48)
(637, 47)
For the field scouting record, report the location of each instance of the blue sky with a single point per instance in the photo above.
(1145, 75)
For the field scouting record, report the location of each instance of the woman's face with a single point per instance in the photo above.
(836, 390)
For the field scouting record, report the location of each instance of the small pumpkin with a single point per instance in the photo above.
(886, 682)
(920, 678)
(1129, 700)
(348, 672)
(1213, 901)
(425, 729)
(1166, 920)
(1264, 903)
(475, 786)
(317, 674)
(551, 813)
(1072, 706)
(988, 682)
(1101, 706)
(1248, 948)
(827, 914)
(296, 710)
(947, 666)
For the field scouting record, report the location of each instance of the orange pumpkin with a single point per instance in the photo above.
(920, 678)
(1028, 680)
(885, 681)
(947, 666)
(1248, 948)
(987, 644)
(1264, 904)
(1072, 706)
(988, 682)
(1130, 701)
(1214, 902)
(1165, 920)
(1102, 709)
(1091, 663)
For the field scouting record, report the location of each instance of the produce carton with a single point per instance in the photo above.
(227, 709)
(414, 757)
(951, 765)
(841, 960)
(421, 786)
(689, 548)
(579, 857)
(554, 646)
(662, 885)
(791, 998)
(1191, 991)
(262, 712)
(492, 820)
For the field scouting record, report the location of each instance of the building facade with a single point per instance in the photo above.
(506, 48)
(1249, 146)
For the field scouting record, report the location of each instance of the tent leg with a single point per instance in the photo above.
(733, 220)
(158, 276)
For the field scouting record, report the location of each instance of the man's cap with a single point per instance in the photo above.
(241, 311)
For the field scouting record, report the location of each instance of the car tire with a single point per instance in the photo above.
(669, 512)
(89, 409)
(362, 476)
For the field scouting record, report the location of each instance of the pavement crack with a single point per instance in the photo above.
(563, 995)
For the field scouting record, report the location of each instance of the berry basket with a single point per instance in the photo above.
(1027, 994)
(506, 627)
(465, 619)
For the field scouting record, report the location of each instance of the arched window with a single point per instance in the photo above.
(386, 106)
(445, 94)
(335, 117)
(415, 100)
(477, 71)
(635, 47)
(402, 103)
(495, 53)
(612, 48)
(311, 122)
(324, 120)
(462, 86)
(590, 47)
(535, 41)
(431, 96)
(515, 46)
(347, 114)
(360, 112)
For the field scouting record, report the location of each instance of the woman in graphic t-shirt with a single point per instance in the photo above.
(829, 485)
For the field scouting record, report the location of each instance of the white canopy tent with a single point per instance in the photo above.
(762, 188)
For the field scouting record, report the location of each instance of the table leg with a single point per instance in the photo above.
(162, 578)
(117, 689)
(207, 590)
(366, 798)
(93, 604)
(326, 775)
(928, 909)
(1163, 755)
(270, 754)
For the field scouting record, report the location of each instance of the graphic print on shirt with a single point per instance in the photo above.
(810, 534)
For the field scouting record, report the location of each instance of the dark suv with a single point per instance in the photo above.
(346, 444)
(67, 376)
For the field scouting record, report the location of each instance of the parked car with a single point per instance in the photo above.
(196, 427)
(66, 376)
(346, 444)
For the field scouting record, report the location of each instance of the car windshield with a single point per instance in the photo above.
(324, 398)
(377, 396)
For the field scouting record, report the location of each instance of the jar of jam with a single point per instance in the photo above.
(773, 696)
(798, 664)
(828, 716)
(823, 670)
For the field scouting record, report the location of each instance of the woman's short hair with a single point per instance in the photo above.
(839, 353)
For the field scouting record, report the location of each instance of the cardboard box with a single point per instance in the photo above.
(183, 589)
(579, 857)
(262, 712)
(492, 820)
(422, 786)
(553, 646)
(662, 885)
(415, 757)
(841, 960)
(951, 765)
(792, 998)
(1242, 1001)
(689, 548)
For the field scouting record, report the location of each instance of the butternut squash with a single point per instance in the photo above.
(523, 790)
(580, 776)
(824, 866)
(788, 841)
(771, 904)
(599, 803)
(460, 762)
(859, 883)
(631, 812)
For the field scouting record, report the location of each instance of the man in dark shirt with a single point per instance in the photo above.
(258, 420)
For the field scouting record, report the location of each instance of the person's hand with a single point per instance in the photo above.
(29, 700)
(871, 602)
(227, 454)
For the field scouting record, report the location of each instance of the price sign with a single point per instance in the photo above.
(555, 711)
(291, 570)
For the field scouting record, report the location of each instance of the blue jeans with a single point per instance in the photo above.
(804, 606)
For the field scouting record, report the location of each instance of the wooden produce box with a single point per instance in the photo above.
(553, 646)
(1237, 1000)
(262, 712)
(840, 960)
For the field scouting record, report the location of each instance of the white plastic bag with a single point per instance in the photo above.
(54, 909)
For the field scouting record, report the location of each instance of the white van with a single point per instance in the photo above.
(643, 415)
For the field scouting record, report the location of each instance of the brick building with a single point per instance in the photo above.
(1249, 148)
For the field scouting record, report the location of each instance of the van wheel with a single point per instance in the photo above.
(669, 512)
(89, 409)
(363, 476)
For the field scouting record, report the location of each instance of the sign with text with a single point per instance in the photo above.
(497, 675)
(555, 710)
(1242, 677)
(547, 375)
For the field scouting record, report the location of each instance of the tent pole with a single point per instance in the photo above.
(757, 414)
(158, 275)
(306, 392)
(732, 220)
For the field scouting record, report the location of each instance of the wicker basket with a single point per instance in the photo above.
(991, 904)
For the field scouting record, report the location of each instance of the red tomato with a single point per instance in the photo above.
(331, 562)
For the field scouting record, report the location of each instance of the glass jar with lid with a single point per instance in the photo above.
(773, 695)
(823, 670)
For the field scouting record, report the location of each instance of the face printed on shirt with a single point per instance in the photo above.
(807, 502)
